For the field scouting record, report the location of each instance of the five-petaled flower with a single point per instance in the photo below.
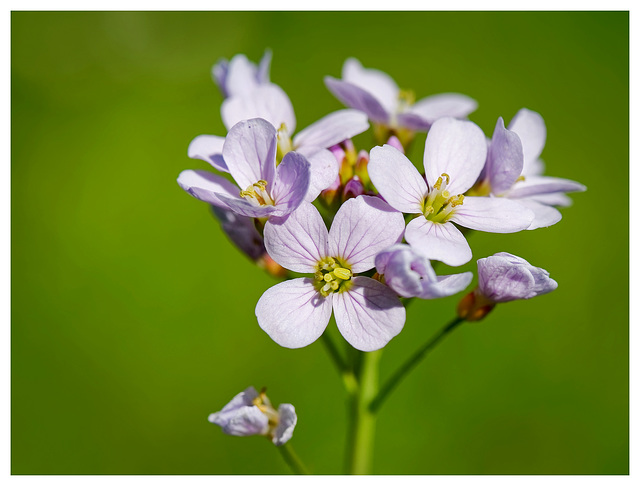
(368, 313)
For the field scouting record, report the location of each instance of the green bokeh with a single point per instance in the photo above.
(133, 316)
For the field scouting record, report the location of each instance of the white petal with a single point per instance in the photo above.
(209, 149)
(376, 82)
(438, 241)
(267, 101)
(332, 129)
(207, 186)
(544, 215)
(324, 171)
(493, 214)
(442, 105)
(532, 131)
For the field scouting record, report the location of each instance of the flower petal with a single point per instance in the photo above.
(241, 76)
(286, 424)
(355, 97)
(438, 241)
(291, 183)
(264, 67)
(544, 215)
(324, 171)
(332, 129)
(293, 313)
(553, 199)
(266, 101)
(242, 231)
(250, 152)
(530, 127)
(453, 105)
(493, 214)
(446, 285)
(457, 148)
(209, 149)
(377, 83)
(245, 208)
(535, 185)
(369, 314)
(299, 242)
(363, 227)
(206, 186)
(397, 179)
(245, 421)
(505, 159)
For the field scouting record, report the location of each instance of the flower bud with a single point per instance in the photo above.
(353, 188)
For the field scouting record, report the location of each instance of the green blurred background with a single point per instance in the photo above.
(133, 316)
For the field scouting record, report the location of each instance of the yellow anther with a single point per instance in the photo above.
(328, 277)
(342, 273)
(407, 95)
(428, 210)
(521, 178)
(438, 183)
(261, 184)
(456, 200)
(334, 285)
(283, 127)
(248, 192)
(447, 176)
(319, 276)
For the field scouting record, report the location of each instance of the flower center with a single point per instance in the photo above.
(257, 194)
(406, 98)
(439, 205)
(332, 275)
(285, 145)
(264, 405)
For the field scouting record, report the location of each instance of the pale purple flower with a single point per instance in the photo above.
(242, 231)
(410, 274)
(368, 313)
(264, 189)
(378, 95)
(504, 277)
(513, 169)
(454, 155)
(240, 76)
(251, 413)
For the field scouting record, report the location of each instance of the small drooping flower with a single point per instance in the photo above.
(454, 155)
(240, 76)
(250, 154)
(251, 413)
(378, 95)
(411, 275)
(368, 313)
(504, 277)
(513, 169)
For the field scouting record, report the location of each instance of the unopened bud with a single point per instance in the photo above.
(352, 189)
(361, 168)
(475, 306)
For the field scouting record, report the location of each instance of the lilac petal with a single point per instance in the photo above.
(377, 83)
(532, 131)
(300, 242)
(397, 179)
(219, 75)
(544, 215)
(363, 227)
(535, 185)
(250, 152)
(244, 422)
(406, 271)
(241, 76)
(324, 172)
(453, 105)
(505, 159)
(209, 149)
(369, 314)
(553, 199)
(382, 258)
(438, 241)
(267, 101)
(264, 67)
(291, 183)
(413, 121)
(243, 399)
(286, 424)
(446, 285)
(493, 215)
(206, 186)
(242, 231)
(293, 313)
(355, 97)
(245, 208)
(457, 148)
(332, 129)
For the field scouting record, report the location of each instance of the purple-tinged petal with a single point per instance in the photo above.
(457, 148)
(250, 152)
(241, 231)
(535, 185)
(438, 241)
(286, 424)
(544, 215)
(532, 131)
(505, 159)
(559, 199)
(209, 149)
(240, 417)
(300, 242)
(454, 105)
(395, 143)
(405, 270)
(332, 129)
(267, 101)
(446, 285)
(353, 188)
(377, 83)
(397, 179)
(369, 314)
(206, 186)
(245, 208)
(242, 76)
(324, 171)
(291, 183)
(293, 313)
(382, 258)
(493, 215)
(264, 67)
(243, 399)
(413, 121)
(357, 98)
(219, 75)
(363, 227)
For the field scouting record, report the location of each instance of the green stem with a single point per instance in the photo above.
(363, 419)
(292, 459)
(390, 385)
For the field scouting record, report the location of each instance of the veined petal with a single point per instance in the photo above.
(544, 215)
(446, 285)
(438, 241)
(267, 101)
(286, 424)
(250, 152)
(293, 313)
(248, 420)
(493, 215)
(369, 314)
(532, 131)
(207, 186)
(332, 129)
(457, 148)
(535, 185)
(291, 183)
(356, 97)
(209, 149)
(242, 231)
(377, 83)
(505, 159)
(300, 242)
(397, 179)
(324, 171)
(453, 105)
(363, 227)
(245, 208)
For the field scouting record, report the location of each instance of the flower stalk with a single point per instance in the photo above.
(292, 459)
